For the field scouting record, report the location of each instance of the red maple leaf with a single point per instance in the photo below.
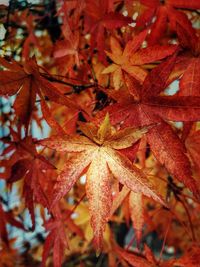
(25, 163)
(164, 12)
(144, 105)
(27, 82)
(100, 17)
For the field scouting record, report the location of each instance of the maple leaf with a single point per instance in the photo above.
(56, 238)
(99, 153)
(34, 179)
(75, 6)
(164, 12)
(27, 82)
(132, 57)
(31, 39)
(133, 259)
(70, 44)
(100, 16)
(28, 164)
(144, 105)
(145, 259)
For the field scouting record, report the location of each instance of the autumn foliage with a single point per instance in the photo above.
(100, 133)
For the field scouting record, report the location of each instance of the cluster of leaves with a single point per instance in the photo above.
(118, 83)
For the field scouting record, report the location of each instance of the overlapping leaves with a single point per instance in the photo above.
(99, 153)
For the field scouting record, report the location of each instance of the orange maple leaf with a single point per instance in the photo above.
(132, 58)
(99, 152)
